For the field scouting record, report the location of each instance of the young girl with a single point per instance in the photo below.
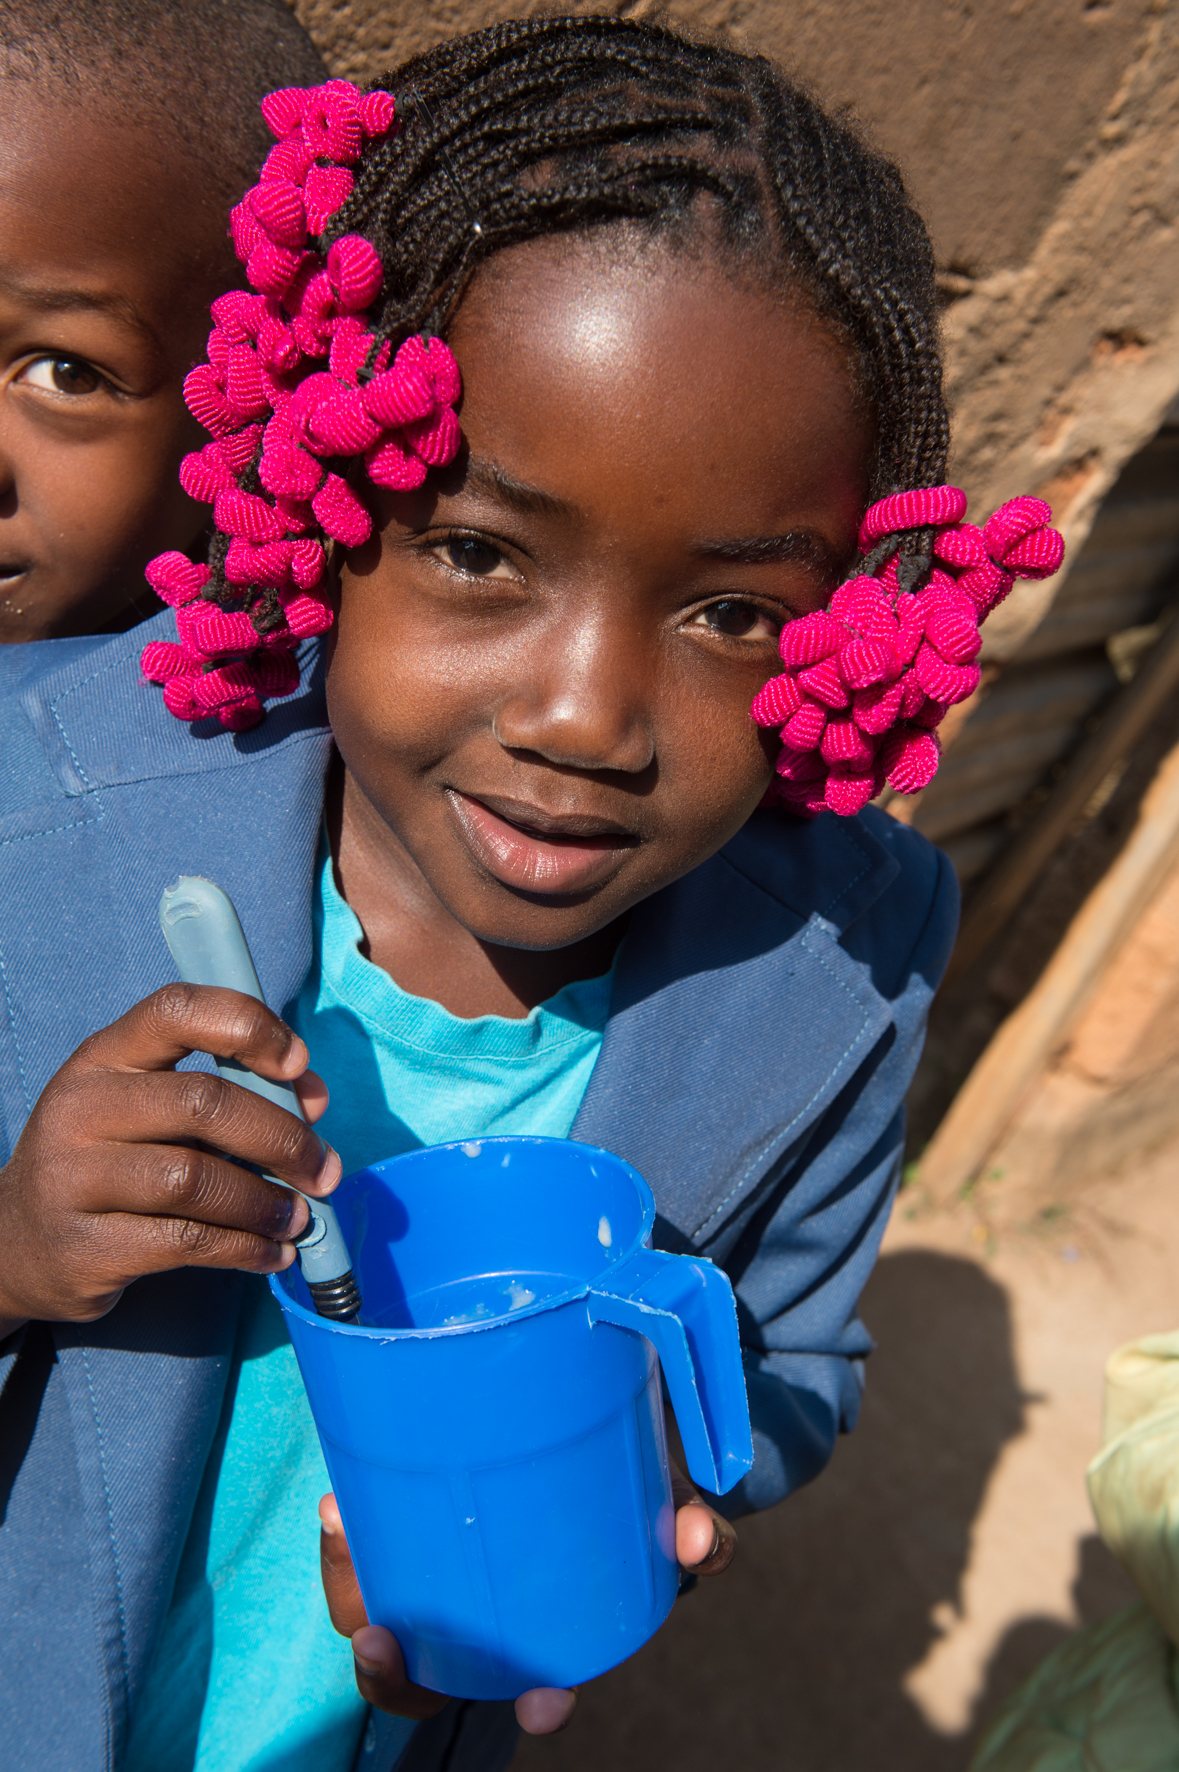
(545, 873)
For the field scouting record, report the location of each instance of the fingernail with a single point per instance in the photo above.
(331, 1170)
(298, 1218)
(297, 1056)
(370, 1668)
(547, 1710)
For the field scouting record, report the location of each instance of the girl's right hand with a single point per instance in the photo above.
(129, 1167)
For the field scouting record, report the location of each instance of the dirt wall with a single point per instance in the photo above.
(1041, 140)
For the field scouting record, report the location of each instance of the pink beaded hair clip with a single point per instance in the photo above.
(869, 678)
(295, 382)
(268, 416)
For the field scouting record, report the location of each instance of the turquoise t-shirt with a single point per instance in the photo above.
(249, 1675)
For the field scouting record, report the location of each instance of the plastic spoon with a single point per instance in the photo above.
(206, 941)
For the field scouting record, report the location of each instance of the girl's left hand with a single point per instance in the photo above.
(704, 1542)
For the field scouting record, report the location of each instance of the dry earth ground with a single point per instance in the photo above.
(872, 1621)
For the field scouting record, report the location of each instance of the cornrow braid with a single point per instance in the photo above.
(567, 123)
(362, 236)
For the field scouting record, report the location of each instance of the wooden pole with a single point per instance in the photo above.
(1014, 1061)
(1118, 730)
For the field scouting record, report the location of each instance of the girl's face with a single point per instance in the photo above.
(543, 667)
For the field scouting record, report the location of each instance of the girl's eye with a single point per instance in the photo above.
(474, 558)
(738, 619)
(62, 375)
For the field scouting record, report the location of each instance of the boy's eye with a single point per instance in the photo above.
(475, 558)
(62, 375)
(738, 619)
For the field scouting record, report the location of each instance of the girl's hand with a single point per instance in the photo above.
(705, 1544)
(129, 1167)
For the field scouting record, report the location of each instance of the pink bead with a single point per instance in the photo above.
(399, 397)
(810, 638)
(776, 701)
(340, 513)
(331, 122)
(180, 700)
(355, 271)
(844, 745)
(799, 767)
(912, 697)
(287, 160)
(307, 616)
(272, 269)
(339, 423)
(911, 761)
(953, 630)
(864, 605)
(822, 683)
(944, 682)
(351, 346)
(266, 564)
(276, 672)
(437, 440)
(391, 465)
(1038, 555)
(244, 231)
(203, 474)
(205, 398)
(307, 564)
(245, 386)
(849, 793)
(925, 507)
(326, 189)
(245, 514)
(875, 710)
(175, 579)
(1018, 518)
(216, 631)
(804, 730)
(161, 660)
(376, 113)
(278, 208)
(283, 109)
(288, 471)
(863, 663)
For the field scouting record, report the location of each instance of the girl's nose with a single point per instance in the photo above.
(583, 701)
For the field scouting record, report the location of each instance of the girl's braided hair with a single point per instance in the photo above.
(558, 124)
(360, 241)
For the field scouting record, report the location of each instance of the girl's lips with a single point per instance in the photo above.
(549, 861)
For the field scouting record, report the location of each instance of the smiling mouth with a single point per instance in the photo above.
(533, 850)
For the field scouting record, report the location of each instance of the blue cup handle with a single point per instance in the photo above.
(685, 1308)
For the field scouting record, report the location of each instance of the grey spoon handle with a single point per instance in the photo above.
(206, 941)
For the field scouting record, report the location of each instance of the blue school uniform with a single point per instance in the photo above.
(766, 1014)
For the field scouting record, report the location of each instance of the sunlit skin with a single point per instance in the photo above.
(664, 467)
(111, 247)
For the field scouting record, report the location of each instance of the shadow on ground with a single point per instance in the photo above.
(795, 1661)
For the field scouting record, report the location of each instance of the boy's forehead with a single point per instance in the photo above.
(94, 201)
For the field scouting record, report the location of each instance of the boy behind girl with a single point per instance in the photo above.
(127, 129)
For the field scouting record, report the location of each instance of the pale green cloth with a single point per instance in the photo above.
(1106, 1701)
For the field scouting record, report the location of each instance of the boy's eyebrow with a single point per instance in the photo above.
(530, 501)
(804, 547)
(57, 300)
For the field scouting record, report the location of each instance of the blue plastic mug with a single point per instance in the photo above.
(494, 1426)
